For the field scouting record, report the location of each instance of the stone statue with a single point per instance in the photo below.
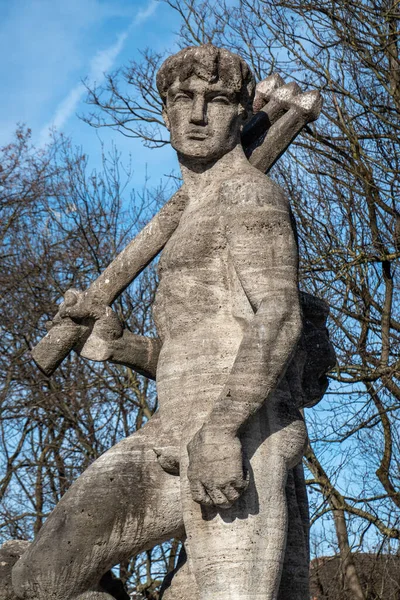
(239, 353)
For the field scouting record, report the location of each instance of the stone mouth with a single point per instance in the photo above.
(197, 135)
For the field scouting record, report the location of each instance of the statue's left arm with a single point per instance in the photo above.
(264, 254)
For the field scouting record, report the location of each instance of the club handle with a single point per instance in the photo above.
(49, 353)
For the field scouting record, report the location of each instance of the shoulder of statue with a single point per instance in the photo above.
(251, 188)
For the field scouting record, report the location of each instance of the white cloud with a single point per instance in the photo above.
(99, 65)
(145, 13)
(104, 59)
(64, 110)
(102, 62)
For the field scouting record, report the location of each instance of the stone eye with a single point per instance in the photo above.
(181, 96)
(221, 99)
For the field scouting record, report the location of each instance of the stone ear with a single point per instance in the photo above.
(166, 118)
(244, 116)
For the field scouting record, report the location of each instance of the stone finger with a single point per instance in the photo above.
(71, 297)
(231, 492)
(67, 311)
(74, 312)
(199, 493)
(218, 497)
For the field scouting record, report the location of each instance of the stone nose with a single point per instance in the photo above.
(198, 115)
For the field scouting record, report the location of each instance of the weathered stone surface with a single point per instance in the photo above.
(234, 364)
(10, 552)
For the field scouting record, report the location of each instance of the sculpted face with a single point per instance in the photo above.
(204, 119)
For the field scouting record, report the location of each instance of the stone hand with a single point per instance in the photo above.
(216, 468)
(103, 325)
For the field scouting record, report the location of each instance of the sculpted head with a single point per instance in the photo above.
(207, 93)
(315, 354)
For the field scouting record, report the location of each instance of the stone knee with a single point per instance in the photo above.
(28, 582)
(37, 577)
(10, 553)
(24, 580)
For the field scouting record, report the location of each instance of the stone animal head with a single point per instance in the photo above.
(314, 356)
(207, 94)
(320, 353)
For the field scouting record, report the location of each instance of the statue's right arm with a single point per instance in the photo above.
(104, 338)
(107, 340)
(137, 352)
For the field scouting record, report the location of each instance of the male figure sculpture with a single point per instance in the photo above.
(229, 321)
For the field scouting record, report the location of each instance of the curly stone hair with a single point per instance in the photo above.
(210, 64)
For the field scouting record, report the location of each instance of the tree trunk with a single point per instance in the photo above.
(348, 567)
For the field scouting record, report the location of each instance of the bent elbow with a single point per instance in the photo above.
(279, 318)
(291, 320)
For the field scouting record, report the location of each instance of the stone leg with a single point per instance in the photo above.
(302, 503)
(294, 584)
(180, 583)
(122, 504)
(295, 575)
(238, 553)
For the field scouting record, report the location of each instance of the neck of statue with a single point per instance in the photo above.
(198, 174)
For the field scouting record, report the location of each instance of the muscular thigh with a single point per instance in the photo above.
(122, 504)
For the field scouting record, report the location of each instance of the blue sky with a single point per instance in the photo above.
(49, 46)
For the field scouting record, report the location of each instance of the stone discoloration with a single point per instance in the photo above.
(232, 364)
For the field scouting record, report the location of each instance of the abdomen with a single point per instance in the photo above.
(193, 369)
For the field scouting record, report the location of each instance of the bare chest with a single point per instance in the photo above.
(198, 240)
(199, 287)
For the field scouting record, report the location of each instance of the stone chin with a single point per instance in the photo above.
(207, 149)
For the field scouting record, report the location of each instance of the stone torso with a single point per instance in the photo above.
(201, 311)
(198, 285)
